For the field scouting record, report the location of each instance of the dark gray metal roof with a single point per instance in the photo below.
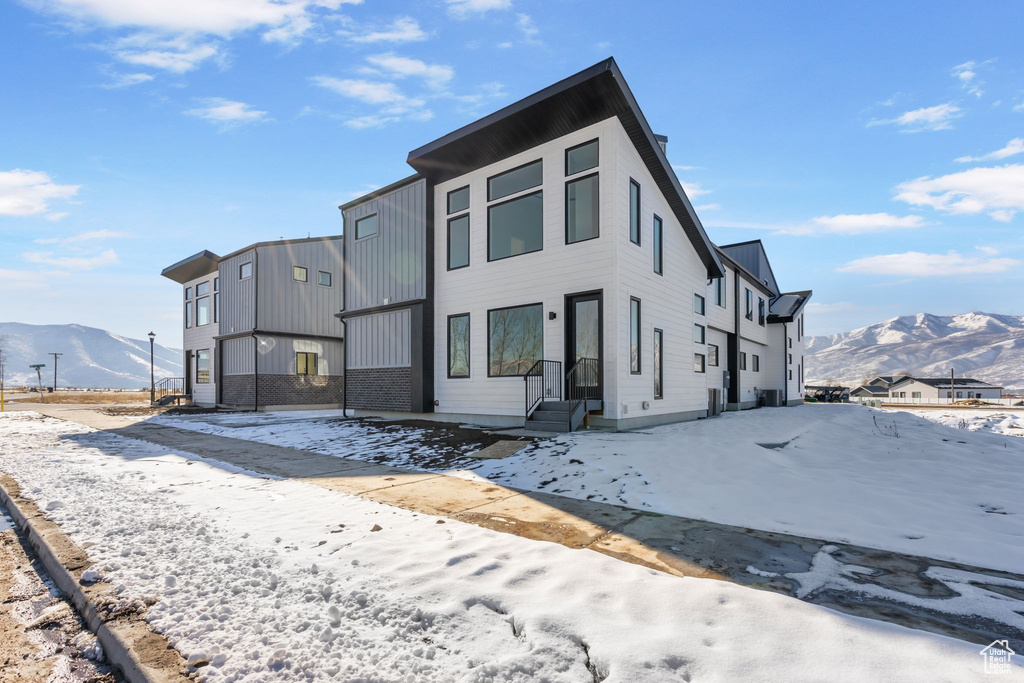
(196, 265)
(586, 98)
(280, 243)
(754, 258)
(870, 390)
(786, 307)
(733, 263)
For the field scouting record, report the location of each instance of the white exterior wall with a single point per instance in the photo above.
(196, 338)
(795, 387)
(753, 339)
(929, 391)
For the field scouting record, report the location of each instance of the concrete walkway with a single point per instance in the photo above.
(908, 590)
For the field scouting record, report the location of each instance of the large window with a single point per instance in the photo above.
(659, 376)
(698, 333)
(203, 366)
(582, 209)
(634, 212)
(515, 227)
(760, 311)
(634, 335)
(749, 315)
(366, 227)
(300, 274)
(699, 362)
(713, 355)
(720, 291)
(458, 345)
(216, 299)
(305, 363)
(698, 304)
(515, 339)
(581, 158)
(658, 250)
(516, 180)
(202, 311)
(458, 200)
(245, 270)
(458, 242)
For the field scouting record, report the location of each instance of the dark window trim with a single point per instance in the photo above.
(506, 201)
(743, 360)
(762, 311)
(469, 335)
(583, 144)
(659, 244)
(448, 199)
(748, 300)
(639, 336)
(755, 363)
(209, 311)
(329, 277)
(639, 215)
(188, 294)
(510, 170)
(355, 231)
(717, 351)
(659, 379)
(506, 308)
(567, 184)
(448, 243)
(316, 363)
(725, 293)
(703, 364)
(209, 370)
(295, 279)
(703, 333)
(704, 304)
(242, 265)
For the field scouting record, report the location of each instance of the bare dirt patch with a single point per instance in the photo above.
(90, 397)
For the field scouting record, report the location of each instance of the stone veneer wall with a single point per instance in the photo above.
(282, 390)
(380, 388)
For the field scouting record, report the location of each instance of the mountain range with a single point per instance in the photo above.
(93, 358)
(984, 346)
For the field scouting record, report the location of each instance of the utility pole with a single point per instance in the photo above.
(951, 387)
(55, 355)
(39, 376)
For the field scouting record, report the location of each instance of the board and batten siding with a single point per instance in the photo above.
(237, 297)
(306, 308)
(381, 340)
(237, 355)
(389, 267)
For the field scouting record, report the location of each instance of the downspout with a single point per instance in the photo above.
(255, 326)
(344, 323)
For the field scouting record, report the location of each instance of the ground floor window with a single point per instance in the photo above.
(699, 362)
(713, 355)
(756, 363)
(203, 366)
(515, 339)
(305, 363)
(458, 345)
(743, 363)
(658, 365)
(915, 394)
(634, 335)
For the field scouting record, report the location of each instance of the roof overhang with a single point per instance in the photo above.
(196, 265)
(793, 303)
(586, 98)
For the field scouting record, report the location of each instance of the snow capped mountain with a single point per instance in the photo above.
(983, 346)
(92, 357)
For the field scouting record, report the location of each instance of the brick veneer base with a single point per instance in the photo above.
(380, 389)
(283, 390)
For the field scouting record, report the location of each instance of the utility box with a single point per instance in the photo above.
(714, 402)
(773, 398)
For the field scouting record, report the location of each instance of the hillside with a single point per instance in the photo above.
(984, 346)
(92, 357)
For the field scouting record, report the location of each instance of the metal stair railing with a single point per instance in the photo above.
(169, 386)
(543, 381)
(582, 383)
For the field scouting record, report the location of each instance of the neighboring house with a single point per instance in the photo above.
(870, 391)
(552, 241)
(259, 325)
(925, 388)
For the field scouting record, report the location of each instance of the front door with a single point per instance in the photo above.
(583, 345)
(188, 372)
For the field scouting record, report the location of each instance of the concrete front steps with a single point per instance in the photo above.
(553, 416)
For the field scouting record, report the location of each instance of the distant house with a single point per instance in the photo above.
(870, 391)
(940, 387)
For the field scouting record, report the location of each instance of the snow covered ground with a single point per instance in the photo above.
(1008, 422)
(279, 580)
(884, 479)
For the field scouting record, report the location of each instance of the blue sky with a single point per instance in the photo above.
(876, 148)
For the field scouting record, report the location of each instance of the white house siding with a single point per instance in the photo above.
(795, 387)
(715, 377)
(201, 337)
(543, 277)
(906, 391)
(773, 363)
(753, 340)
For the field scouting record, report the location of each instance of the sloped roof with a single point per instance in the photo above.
(588, 97)
(940, 382)
(752, 256)
(786, 307)
(196, 265)
(871, 389)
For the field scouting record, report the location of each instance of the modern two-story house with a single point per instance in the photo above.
(545, 263)
(259, 325)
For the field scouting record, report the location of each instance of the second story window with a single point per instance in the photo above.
(515, 226)
(634, 335)
(582, 209)
(720, 291)
(760, 311)
(188, 314)
(300, 274)
(749, 315)
(698, 334)
(216, 299)
(202, 311)
(323, 278)
(634, 212)
(458, 229)
(458, 200)
(245, 270)
(658, 249)
(366, 227)
(698, 304)
(188, 293)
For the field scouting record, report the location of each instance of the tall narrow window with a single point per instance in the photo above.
(515, 339)
(203, 366)
(634, 211)
(458, 345)
(458, 242)
(698, 304)
(216, 299)
(760, 311)
(188, 314)
(743, 360)
(305, 363)
(750, 305)
(720, 291)
(582, 209)
(658, 251)
(756, 363)
(634, 335)
(698, 334)
(581, 158)
(202, 311)
(658, 365)
(366, 227)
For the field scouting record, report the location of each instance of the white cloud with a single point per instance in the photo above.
(926, 118)
(965, 73)
(401, 30)
(1018, 107)
(997, 190)
(708, 207)
(227, 113)
(436, 75)
(127, 80)
(524, 22)
(677, 167)
(1013, 147)
(917, 264)
(26, 193)
(464, 8)
(370, 92)
(693, 190)
(91, 236)
(854, 224)
(48, 258)
(817, 308)
(177, 54)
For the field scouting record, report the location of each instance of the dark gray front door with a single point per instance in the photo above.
(584, 344)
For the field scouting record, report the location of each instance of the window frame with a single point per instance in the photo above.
(703, 364)
(658, 229)
(216, 299)
(316, 363)
(743, 360)
(636, 212)
(241, 270)
(749, 301)
(714, 354)
(188, 294)
(448, 201)
(469, 369)
(755, 363)
(209, 366)
(762, 311)
(512, 170)
(703, 305)
(305, 274)
(376, 230)
(658, 344)
(189, 317)
(319, 279)
(721, 288)
(639, 336)
(596, 141)
(506, 201)
(448, 238)
(209, 316)
(540, 304)
(597, 215)
(703, 334)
